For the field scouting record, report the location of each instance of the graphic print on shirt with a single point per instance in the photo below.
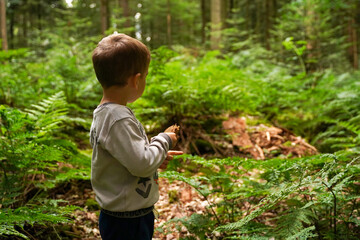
(145, 191)
(93, 137)
(156, 178)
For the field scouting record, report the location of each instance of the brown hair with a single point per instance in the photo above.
(118, 57)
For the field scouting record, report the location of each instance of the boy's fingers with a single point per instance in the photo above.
(171, 152)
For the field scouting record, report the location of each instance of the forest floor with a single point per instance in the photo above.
(177, 199)
(183, 202)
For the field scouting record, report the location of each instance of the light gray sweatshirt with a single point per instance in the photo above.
(124, 164)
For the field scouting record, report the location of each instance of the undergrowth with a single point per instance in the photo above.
(306, 198)
(32, 159)
(182, 87)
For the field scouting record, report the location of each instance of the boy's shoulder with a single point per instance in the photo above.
(113, 112)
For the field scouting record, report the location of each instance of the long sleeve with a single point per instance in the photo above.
(128, 145)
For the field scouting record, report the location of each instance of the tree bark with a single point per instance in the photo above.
(268, 22)
(126, 12)
(168, 21)
(352, 38)
(104, 15)
(24, 28)
(203, 21)
(216, 23)
(258, 19)
(311, 35)
(3, 25)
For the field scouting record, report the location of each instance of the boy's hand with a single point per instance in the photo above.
(173, 132)
(173, 138)
(169, 157)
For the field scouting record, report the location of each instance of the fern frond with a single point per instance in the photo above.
(304, 234)
(293, 221)
(264, 205)
(49, 114)
(10, 231)
(193, 181)
(47, 213)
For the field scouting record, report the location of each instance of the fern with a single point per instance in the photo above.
(305, 233)
(307, 194)
(30, 151)
(293, 222)
(343, 136)
(49, 114)
(49, 212)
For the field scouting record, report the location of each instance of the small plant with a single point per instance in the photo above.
(299, 51)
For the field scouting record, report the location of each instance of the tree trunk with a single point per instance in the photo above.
(352, 38)
(104, 15)
(38, 10)
(126, 13)
(311, 35)
(258, 19)
(248, 19)
(168, 21)
(216, 23)
(268, 23)
(24, 28)
(203, 21)
(3, 25)
(11, 17)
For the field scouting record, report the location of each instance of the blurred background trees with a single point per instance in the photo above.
(329, 27)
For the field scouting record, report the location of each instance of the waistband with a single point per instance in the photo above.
(130, 214)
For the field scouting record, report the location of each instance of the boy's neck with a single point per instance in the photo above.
(115, 94)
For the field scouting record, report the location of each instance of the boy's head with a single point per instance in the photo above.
(119, 57)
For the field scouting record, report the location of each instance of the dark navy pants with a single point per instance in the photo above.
(113, 228)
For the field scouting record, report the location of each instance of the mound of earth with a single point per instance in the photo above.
(263, 142)
(235, 138)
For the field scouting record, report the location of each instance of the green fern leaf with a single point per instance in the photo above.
(304, 234)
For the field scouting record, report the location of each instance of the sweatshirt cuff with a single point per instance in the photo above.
(168, 139)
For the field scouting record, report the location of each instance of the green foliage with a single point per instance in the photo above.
(12, 54)
(313, 21)
(208, 85)
(181, 88)
(31, 156)
(299, 51)
(13, 221)
(310, 196)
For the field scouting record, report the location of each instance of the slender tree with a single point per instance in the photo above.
(168, 21)
(104, 15)
(126, 13)
(216, 10)
(3, 25)
(352, 37)
(203, 21)
(269, 21)
(311, 16)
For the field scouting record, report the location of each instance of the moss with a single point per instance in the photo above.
(173, 196)
(92, 204)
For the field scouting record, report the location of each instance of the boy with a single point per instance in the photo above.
(124, 164)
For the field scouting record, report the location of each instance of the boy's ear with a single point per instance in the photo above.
(135, 80)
